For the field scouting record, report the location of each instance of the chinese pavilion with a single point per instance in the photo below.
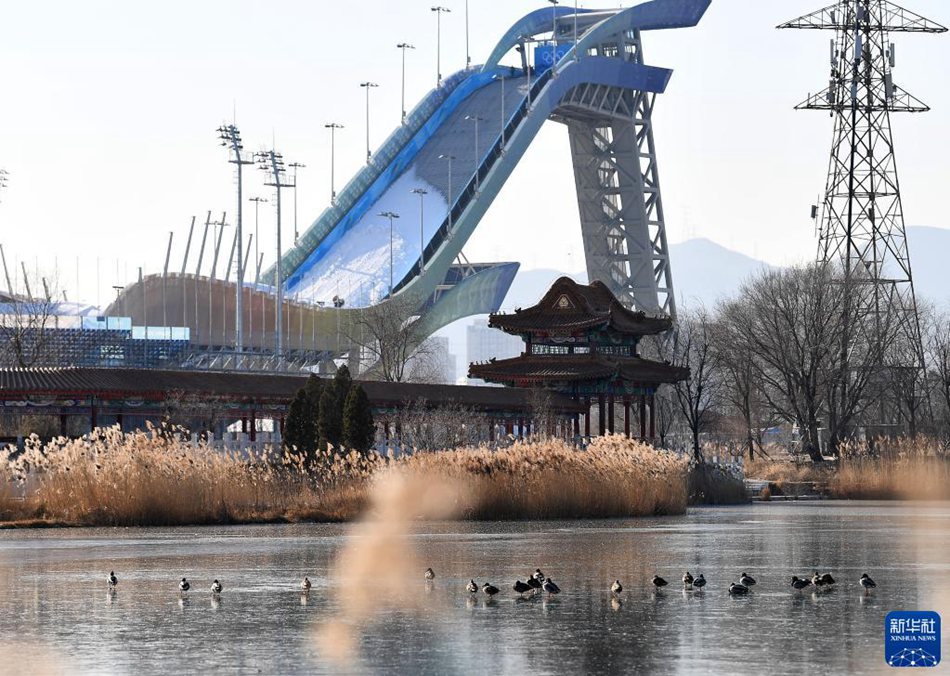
(581, 342)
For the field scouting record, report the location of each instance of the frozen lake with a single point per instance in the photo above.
(56, 611)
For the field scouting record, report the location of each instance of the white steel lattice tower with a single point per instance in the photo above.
(862, 219)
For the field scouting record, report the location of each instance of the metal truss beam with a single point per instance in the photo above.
(618, 187)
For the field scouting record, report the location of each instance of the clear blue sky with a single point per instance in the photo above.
(110, 108)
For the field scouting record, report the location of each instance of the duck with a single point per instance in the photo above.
(550, 587)
(699, 582)
(472, 587)
(659, 581)
(817, 580)
(184, 585)
(534, 583)
(216, 587)
(687, 579)
(305, 585)
(490, 589)
(430, 574)
(798, 583)
(867, 583)
(826, 578)
(746, 580)
(616, 587)
(737, 589)
(521, 587)
(538, 575)
(113, 580)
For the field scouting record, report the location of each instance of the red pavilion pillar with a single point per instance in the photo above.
(587, 418)
(653, 416)
(643, 416)
(610, 413)
(626, 417)
(602, 414)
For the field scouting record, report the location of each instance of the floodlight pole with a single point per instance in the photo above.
(476, 119)
(390, 215)
(333, 126)
(295, 166)
(257, 235)
(367, 86)
(449, 159)
(439, 10)
(231, 138)
(421, 192)
(555, 3)
(272, 162)
(404, 46)
(468, 54)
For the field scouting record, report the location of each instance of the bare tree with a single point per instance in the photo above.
(388, 337)
(741, 384)
(28, 321)
(937, 346)
(542, 412)
(785, 318)
(691, 346)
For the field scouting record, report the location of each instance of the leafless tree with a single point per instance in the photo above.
(937, 347)
(742, 389)
(388, 338)
(28, 321)
(542, 412)
(782, 317)
(691, 346)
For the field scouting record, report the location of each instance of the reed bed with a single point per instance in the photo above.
(110, 478)
(889, 469)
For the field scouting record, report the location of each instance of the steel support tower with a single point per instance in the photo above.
(618, 185)
(862, 219)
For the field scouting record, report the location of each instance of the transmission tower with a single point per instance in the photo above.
(862, 219)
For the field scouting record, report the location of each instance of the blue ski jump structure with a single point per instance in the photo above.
(440, 171)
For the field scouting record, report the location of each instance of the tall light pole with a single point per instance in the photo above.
(257, 235)
(333, 126)
(575, 31)
(449, 159)
(404, 46)
(476, 119)
(502, 78)
(257, 261)
(367, 86)
(439, 10)
(295, 166)
(390, 215)
(272, 163)
(422, 192)
(525, 47)
(555, 3)
(468, 54)
(231, 138)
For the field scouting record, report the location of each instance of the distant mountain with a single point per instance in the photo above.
(706, 272)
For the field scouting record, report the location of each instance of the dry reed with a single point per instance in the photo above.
(153, 478)
(889, 469)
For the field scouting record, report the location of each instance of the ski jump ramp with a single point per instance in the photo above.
(440, 176)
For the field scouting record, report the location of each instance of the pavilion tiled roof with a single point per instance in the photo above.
(577, 368)
(568, 308)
